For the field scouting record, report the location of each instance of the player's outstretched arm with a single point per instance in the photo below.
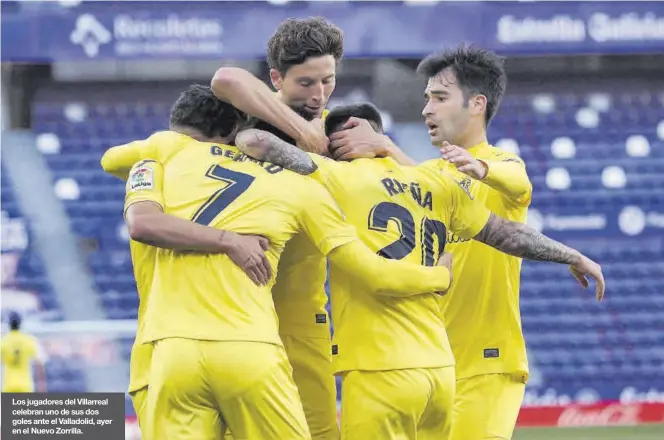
(117, 161)
(505, 174)
(148, 224)
(250, 95)
(523, 241)
(388, 277)
(268, 147)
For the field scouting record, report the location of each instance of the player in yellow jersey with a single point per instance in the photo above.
(407, 346)
(217, 351)
(148, 227)
(302, 55)
(464, 91)
(20, 351)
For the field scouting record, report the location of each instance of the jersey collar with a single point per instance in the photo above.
(477, 148)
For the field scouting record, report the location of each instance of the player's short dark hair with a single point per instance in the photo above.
(340, 115)
(14, 321)
(262, 125)
(253, 122)
(198, 108)
(478, 72)
(297, 40)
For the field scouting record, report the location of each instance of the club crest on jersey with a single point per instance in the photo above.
(465, 185)
(142, 178)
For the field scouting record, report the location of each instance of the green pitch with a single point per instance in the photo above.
(647, 432)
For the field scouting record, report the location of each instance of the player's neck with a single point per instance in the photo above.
(197, 135)
(472, 139)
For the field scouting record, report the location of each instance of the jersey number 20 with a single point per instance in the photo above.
(237, 183)
(380, 216)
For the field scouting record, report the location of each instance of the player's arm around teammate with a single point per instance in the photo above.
(148, 224)
(249, 94)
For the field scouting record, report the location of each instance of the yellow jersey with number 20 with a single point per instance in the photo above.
(402, 213)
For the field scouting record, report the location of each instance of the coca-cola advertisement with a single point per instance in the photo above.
(600, 414)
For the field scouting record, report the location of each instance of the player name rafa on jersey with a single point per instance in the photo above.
(394, 187)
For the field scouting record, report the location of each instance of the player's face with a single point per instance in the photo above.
(307, 86)
(446, 112)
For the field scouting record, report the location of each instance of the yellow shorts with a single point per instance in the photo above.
(397, 404)
(487, 406)
(198, 389)
(139, 399)
(311, 359)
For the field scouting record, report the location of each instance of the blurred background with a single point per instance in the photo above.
(584, 109)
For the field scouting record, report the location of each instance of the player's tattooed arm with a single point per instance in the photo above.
(268, 147)
(523, 241)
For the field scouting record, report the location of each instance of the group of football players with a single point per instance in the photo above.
(252, 199)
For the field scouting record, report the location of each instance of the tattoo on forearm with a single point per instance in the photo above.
(523, 241)
(267, 147)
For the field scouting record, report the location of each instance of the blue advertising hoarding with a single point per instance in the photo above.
(157, 30)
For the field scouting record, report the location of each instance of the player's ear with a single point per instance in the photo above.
(276, 79)
(477, 104)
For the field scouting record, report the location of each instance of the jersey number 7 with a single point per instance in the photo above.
(383, 212)
(237, 183)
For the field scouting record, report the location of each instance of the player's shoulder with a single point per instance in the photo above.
(166, 144)
(435, 169)
(432, 165)
(442, 180)
(498, 154)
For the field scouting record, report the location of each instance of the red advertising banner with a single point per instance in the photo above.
(600, 414)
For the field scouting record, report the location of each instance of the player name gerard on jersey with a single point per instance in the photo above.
(237, 156)
(394, 187)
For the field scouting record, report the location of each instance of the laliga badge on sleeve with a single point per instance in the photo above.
(141, 178)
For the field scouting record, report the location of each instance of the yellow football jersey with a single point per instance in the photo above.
(299, 291)
(402, 213)
(161, 146)
(207, 297)
(144, 184)
(19, 350)
(481, 310)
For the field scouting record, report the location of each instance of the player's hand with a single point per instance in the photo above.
(248, 253)
(313, 139)
(463, 161)
(446, 261)
(356, 140)
(586, 267)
